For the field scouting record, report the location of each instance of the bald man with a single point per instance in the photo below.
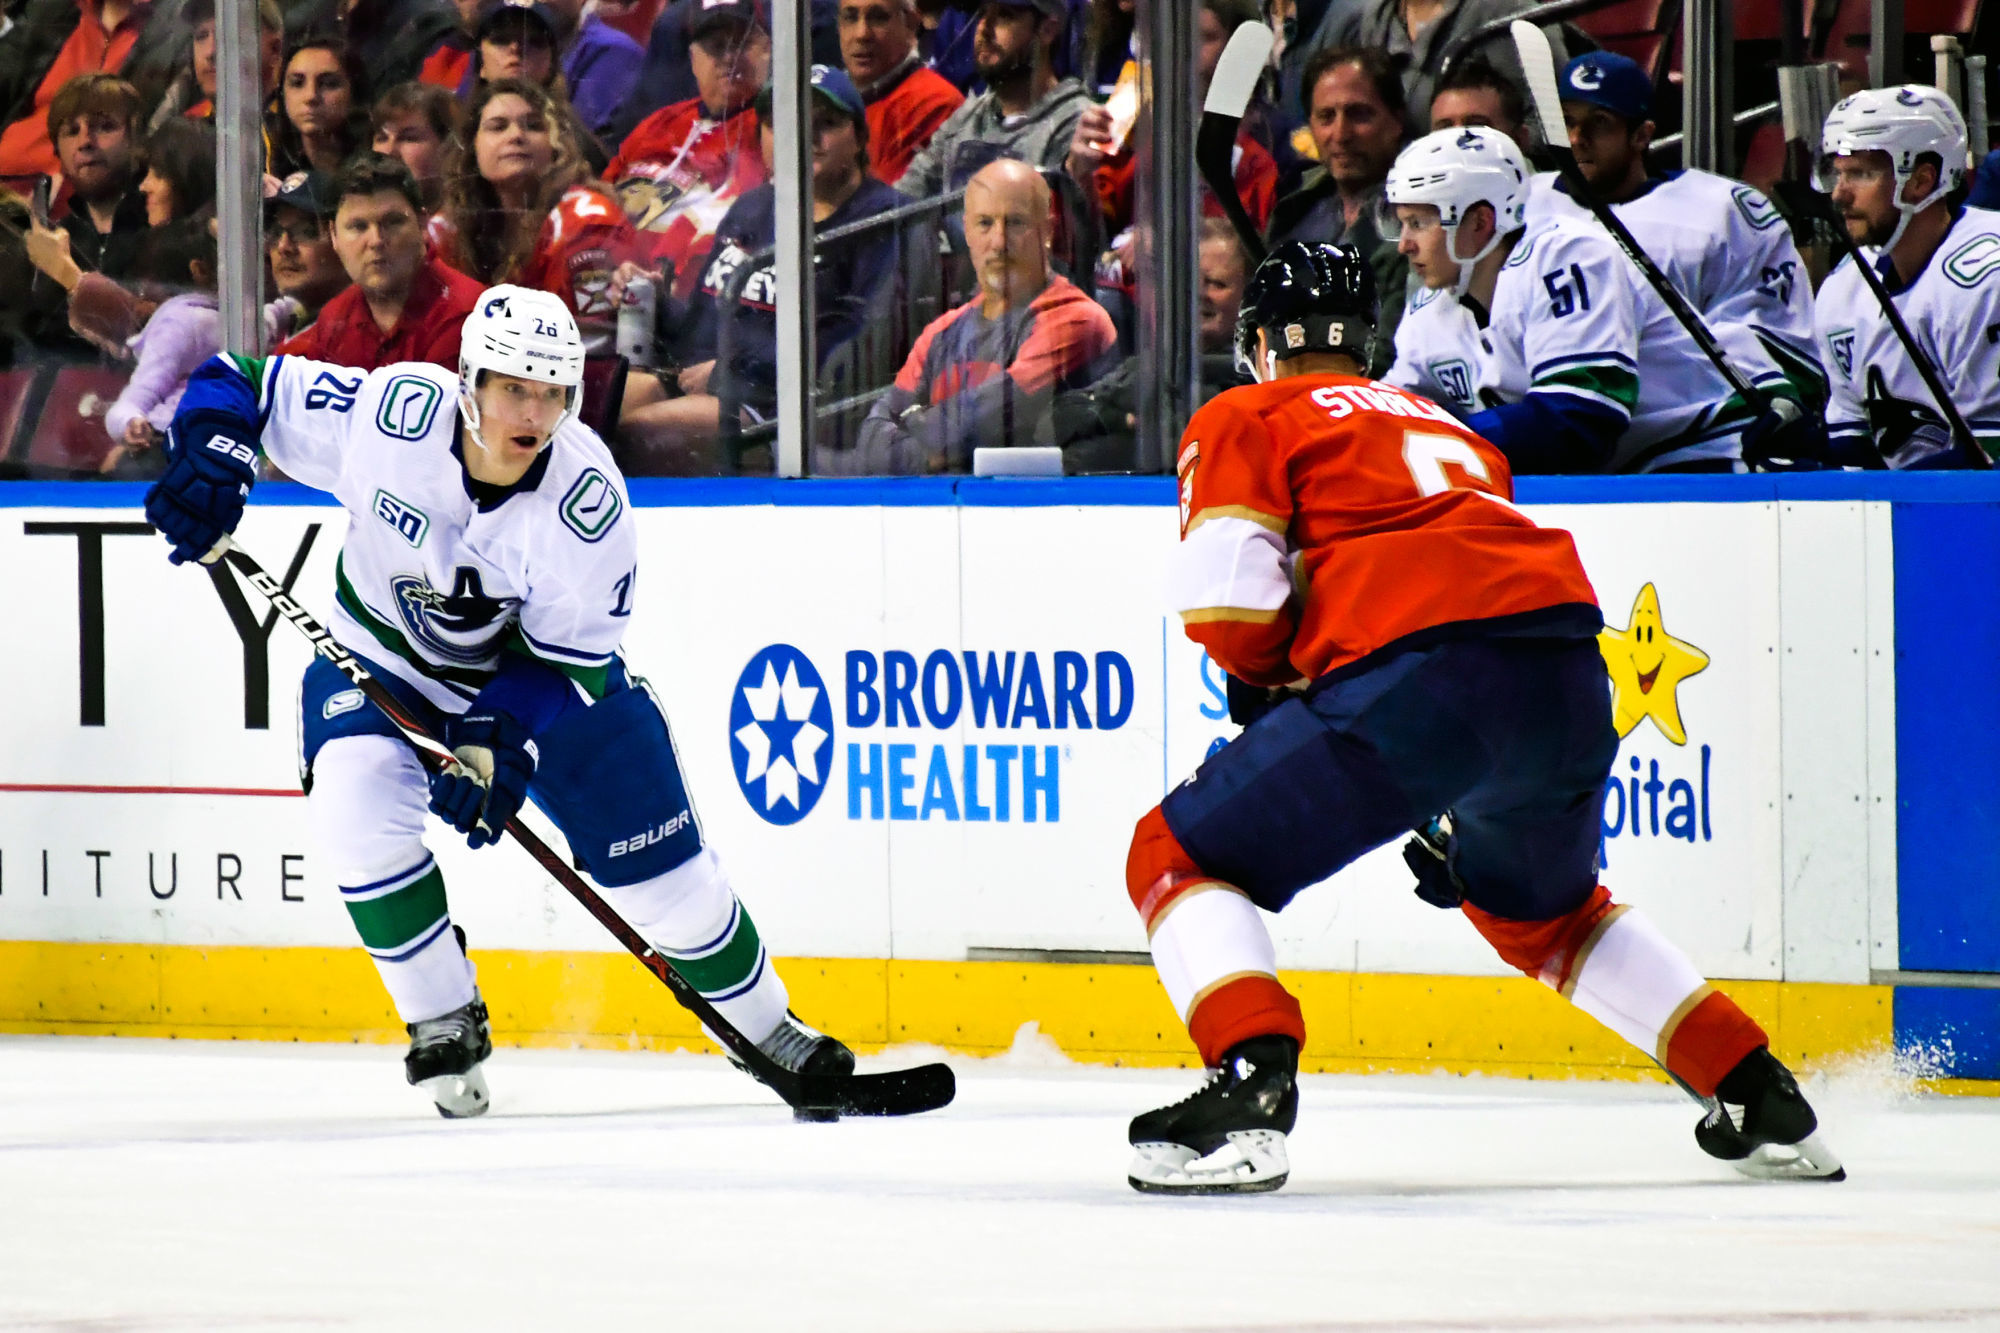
(985, 373)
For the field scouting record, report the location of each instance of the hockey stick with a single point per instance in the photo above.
(1539, 65)
(897, 1092)
(1961, 431)
(1229, 90)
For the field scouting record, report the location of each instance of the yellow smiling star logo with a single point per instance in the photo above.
(1647, 665)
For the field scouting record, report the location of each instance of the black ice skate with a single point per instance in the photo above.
(444, 1059)
(1760, 1123)
(802, 1050)
(1228, 1138)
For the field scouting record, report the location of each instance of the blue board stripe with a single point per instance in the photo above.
(1952, 1033)
(1947, 738)
(1908, 488)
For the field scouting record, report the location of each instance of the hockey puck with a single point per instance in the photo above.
(818, 1115)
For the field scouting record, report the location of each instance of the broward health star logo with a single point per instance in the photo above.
(781, 734)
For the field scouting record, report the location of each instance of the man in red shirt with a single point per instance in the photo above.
(403, 306)
(682, 167)
(905, 100)
(1401, 641)
(103, 37)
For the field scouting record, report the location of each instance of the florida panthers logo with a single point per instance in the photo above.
(459, 627)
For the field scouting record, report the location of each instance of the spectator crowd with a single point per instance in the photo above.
(975, 179)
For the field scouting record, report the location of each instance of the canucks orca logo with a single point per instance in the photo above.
(496, 306)
(781, 734)
(1910, 97)
(449, 626)
(1587, 77)
(1467, 139)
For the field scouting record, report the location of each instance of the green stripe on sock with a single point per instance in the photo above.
(726, 968)
(397, 919)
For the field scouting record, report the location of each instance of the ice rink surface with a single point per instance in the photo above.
(187, 1186)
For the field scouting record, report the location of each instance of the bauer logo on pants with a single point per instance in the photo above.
(781, 734)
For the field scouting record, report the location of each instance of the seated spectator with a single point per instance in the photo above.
(1356, 113)
(52, 42)
(1102, 161)
(677, 434)
(513, 41)
(953, 41)
(403, 305)
(391, 38)
(667, 76)
(683, 166)
(321, 117)
(1474, 93)
(449, 63)
(1097, 425)
(179, 181)
(986, 373)
(177, 268)
(1414, 35)
(413, 122)
(192, 93)
(599, 63)
(520, 207)
(304, 266)
(93, 122)
(906, 102)
(1026, 112)
(1986, 183)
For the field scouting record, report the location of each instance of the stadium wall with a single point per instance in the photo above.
(920, 719)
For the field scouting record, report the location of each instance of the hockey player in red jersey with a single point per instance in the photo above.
(1401, 640)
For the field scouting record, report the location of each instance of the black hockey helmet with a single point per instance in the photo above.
(1308, 297)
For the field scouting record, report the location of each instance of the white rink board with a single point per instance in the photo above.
(1079, 588)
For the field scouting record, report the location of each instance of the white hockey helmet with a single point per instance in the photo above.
(1455, 169)
(528, 334)
(1906, 123)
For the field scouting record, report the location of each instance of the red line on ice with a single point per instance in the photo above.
(148, 791)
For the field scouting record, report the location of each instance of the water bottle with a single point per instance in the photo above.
(635, 322)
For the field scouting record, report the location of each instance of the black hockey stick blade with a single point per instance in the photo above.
(897, 1092)
(893, 1092)
(1538, 65)
(1229, 92)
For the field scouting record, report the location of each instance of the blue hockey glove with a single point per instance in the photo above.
(210, 470)
(1249, 702)
(496, 760)
(1428, 855)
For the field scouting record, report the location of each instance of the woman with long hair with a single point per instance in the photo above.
(321, 115)
(520, 204)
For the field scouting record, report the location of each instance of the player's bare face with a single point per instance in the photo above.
(1864, 194)
(1422, 243)
(1604, 144)
(516, 418)
(380, 243)
(513, 145)
(731, 63)
(1356, 133)
(875, 37)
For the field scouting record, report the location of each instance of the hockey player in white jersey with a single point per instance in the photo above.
(1894, 160)
(488, 573)
(1721, 242)
(1538, 332)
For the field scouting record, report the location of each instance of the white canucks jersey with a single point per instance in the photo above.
(1953, 310)
(430, 585)
(1438, 352)
(1730, 253)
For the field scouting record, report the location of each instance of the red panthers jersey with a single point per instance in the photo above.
(1325, 517)
(677, 175)
(580, 245)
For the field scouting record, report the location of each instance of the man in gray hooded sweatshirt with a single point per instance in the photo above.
(1025, 113)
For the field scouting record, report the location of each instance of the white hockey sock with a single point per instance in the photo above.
(691, 915)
